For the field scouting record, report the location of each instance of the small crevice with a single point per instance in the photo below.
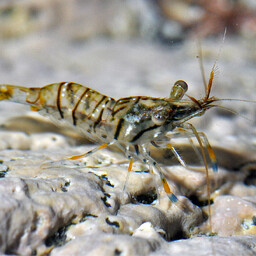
(200, 203)
(87, 216)
(106, 180)
(146, 198)
(254, 220)
(251, 177)
(58, 238)
(65, 186)
(3, 171)
(117, 252)
(105, 200)
(112, 223)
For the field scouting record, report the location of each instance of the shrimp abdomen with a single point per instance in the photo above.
(78, 105)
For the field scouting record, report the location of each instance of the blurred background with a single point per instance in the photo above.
(133, 47)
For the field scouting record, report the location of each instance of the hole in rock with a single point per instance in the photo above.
(112, 223)
(58, 238)
(146, 198)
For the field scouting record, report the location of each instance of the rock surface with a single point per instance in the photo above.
(57, 206)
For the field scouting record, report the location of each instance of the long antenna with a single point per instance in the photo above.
(208, 86)
(210, 82)
(200, 59)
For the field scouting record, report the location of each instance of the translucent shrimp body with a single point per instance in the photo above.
(132, 123)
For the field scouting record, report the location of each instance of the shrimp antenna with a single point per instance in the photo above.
(235, 112)
(200, 59)
(208, 86)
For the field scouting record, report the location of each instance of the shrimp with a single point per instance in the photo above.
(133, 124)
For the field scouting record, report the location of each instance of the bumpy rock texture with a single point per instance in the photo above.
(57, 206)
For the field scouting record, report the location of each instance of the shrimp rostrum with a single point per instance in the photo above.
(133, 124)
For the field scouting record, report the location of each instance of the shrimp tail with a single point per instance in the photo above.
(20, 94)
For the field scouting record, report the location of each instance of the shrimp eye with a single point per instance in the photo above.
(178, 90)
(159, 118)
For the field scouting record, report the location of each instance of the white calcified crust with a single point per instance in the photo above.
(90, 210)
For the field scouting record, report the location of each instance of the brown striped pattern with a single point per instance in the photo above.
(58, 100)
(76, 106)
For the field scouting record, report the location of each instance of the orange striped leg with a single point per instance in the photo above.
(167, 189)
(206, 168)
(128, 174)
(90, 152)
